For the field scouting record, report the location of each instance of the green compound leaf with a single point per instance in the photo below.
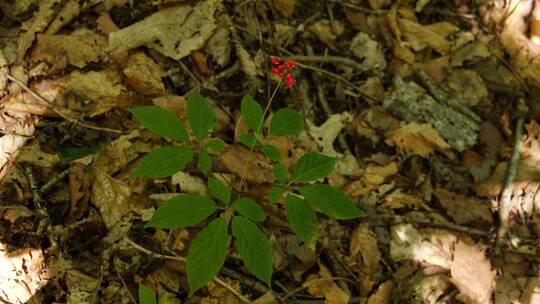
(280, 172)
(274, 194)
(204, 163)
(182, 211)
(146, 295)
(249, 208)
(271, 152)
(254, 248)
(248, 140)
(312, 166)
(161, 121)
(163, 162)
(215, 145)
(206, 254)
(331, 201)
(252, 112)
(221, 191)
(302, 219)
(201, 116)
(286, 122)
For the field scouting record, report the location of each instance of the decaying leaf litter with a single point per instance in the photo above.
(428, 106)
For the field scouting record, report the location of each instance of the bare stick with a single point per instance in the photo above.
(505, 206)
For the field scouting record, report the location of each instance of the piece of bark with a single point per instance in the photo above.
(458, 125)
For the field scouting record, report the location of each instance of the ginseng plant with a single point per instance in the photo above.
(227, 212)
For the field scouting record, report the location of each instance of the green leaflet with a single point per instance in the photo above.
(331, 201)
(274, 194)
(249, 208)
(280, 172)
(253, 113)
(218, 189)
(200, 115)
(248, 140)
(271, 152)
(286, 122)
(215, 145)
(302, 219)
(163, 162)
(182, 211)
(254, 248)
(161, 121)
(312, 166)
(204, 163)
(206, 254)
(146, 295)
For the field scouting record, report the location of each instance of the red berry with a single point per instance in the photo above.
(276, 60)
(289, 64)
(277, 72)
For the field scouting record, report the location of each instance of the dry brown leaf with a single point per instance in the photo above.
(432, 247)
(463, 209)
(189, 183)
(175, 32)
(399, 199)
(37, 24)
(325, 135)
(34, 155)
(23, 273)
(323, 30)
(285, 7)
(431, 288)
(383, 295)
(118, 154)
(365, 247)
(201, 62)
(373, 176)
(472, 273)
(218, 46)
(103, 87)
(79, 190)
(79, 48)
(267, 298)
(144, 75)
(417, 139)
(322, 286)
(467, 86)
(368, 51)
(258, 169)
(105, 191)
(420, 37)
(14, 212)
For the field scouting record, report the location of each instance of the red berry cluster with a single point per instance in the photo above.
(284, 70)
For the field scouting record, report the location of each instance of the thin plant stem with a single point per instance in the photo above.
(244, 170)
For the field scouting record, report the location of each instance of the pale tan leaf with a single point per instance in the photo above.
(111, 197)
(472, 273)
(432, 247)
(418, 139)
(285, 7)
(79, 48)
(420, 37)
(22, 273)
(175, 32)
(322, 286)
(364, 246)
(383, 295)
(144, 75)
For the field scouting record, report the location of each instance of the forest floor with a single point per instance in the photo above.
(429, 107)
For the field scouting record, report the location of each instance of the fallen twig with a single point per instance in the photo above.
(505, 206)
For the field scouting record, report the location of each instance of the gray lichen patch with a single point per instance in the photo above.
(457, 124)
